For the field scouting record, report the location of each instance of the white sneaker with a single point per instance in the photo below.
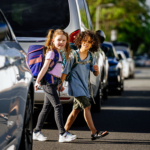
(39, 136)
(73, 135)
(67, 137)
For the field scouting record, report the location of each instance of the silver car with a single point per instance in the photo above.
(16, 93)
(31, 21)
(125, 48)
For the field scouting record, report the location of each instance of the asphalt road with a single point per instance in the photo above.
(125, 117)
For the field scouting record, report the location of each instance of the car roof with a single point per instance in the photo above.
(120, 52)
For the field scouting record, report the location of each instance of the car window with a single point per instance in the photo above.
(8, 35)
(33, 18)
(110, 52)
(126, 54)
(83, 13)
(88, 16)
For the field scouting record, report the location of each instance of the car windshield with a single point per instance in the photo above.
(33, 18)
(110, 52)
(126, 54)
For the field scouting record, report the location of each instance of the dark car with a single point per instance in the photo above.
(16, 93)
(115, 74)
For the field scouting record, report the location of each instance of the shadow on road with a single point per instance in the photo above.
(127, 113)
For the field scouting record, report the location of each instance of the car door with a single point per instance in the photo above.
(13, 89)
(6, 85)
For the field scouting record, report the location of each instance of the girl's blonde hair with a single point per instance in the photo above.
(49, 44)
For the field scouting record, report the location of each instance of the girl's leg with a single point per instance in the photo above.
(88, 119)
(54, 100)
(43, 114)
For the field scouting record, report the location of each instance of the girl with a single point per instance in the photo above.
(56, 40)
(78, 86)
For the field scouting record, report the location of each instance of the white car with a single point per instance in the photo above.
(31, 23)
(125, 64)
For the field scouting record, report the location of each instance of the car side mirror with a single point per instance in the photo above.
(105, 49)
(3, 31)
(119, 55)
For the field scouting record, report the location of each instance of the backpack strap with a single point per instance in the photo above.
(77, 60)
(54, 61)
(84, 62)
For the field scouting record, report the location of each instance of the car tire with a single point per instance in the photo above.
(132, 76)
(105, 93)
(26, 138)
(96, 107)
(118, 92)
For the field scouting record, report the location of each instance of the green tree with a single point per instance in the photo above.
(129, 18)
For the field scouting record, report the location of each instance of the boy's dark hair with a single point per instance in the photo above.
(83, 35)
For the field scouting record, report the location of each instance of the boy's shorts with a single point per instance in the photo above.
(81, 102)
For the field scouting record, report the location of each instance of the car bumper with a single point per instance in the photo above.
(114, 82)
(64, 97)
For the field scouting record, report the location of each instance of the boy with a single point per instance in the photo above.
(78, 86)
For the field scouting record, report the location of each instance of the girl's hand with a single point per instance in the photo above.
(36, 86)
(96, 68)
(62, 88)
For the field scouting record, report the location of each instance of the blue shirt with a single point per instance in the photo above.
(78, 86)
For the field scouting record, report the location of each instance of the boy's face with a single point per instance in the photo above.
(86, 43)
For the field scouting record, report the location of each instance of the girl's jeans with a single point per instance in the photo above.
(51, 99)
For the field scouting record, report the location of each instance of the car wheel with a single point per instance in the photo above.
(26, 139)
(118, 92)
(132, 76)
(96, 107)
(105, 93)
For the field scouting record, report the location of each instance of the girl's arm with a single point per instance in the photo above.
(42, 73)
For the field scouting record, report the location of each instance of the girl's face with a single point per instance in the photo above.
(86, 43)
(60, 41)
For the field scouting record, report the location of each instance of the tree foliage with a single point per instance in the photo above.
(130, 19)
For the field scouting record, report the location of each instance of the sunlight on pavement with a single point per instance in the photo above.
(127, 108)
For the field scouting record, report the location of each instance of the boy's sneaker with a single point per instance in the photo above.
(39, 136)
(67, 137)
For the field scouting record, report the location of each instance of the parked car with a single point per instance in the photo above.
(115, 74)
(125, 64)
(30, 24)
(140, 61)
(122, 46)
(16, 92)
(104, 82)
(147, 63)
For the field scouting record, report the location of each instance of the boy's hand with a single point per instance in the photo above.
(96, 68)
(96, 72)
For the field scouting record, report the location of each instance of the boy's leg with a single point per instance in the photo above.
(71, 118)
(89, 120)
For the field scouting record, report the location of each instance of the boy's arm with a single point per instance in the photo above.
(96, 70)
